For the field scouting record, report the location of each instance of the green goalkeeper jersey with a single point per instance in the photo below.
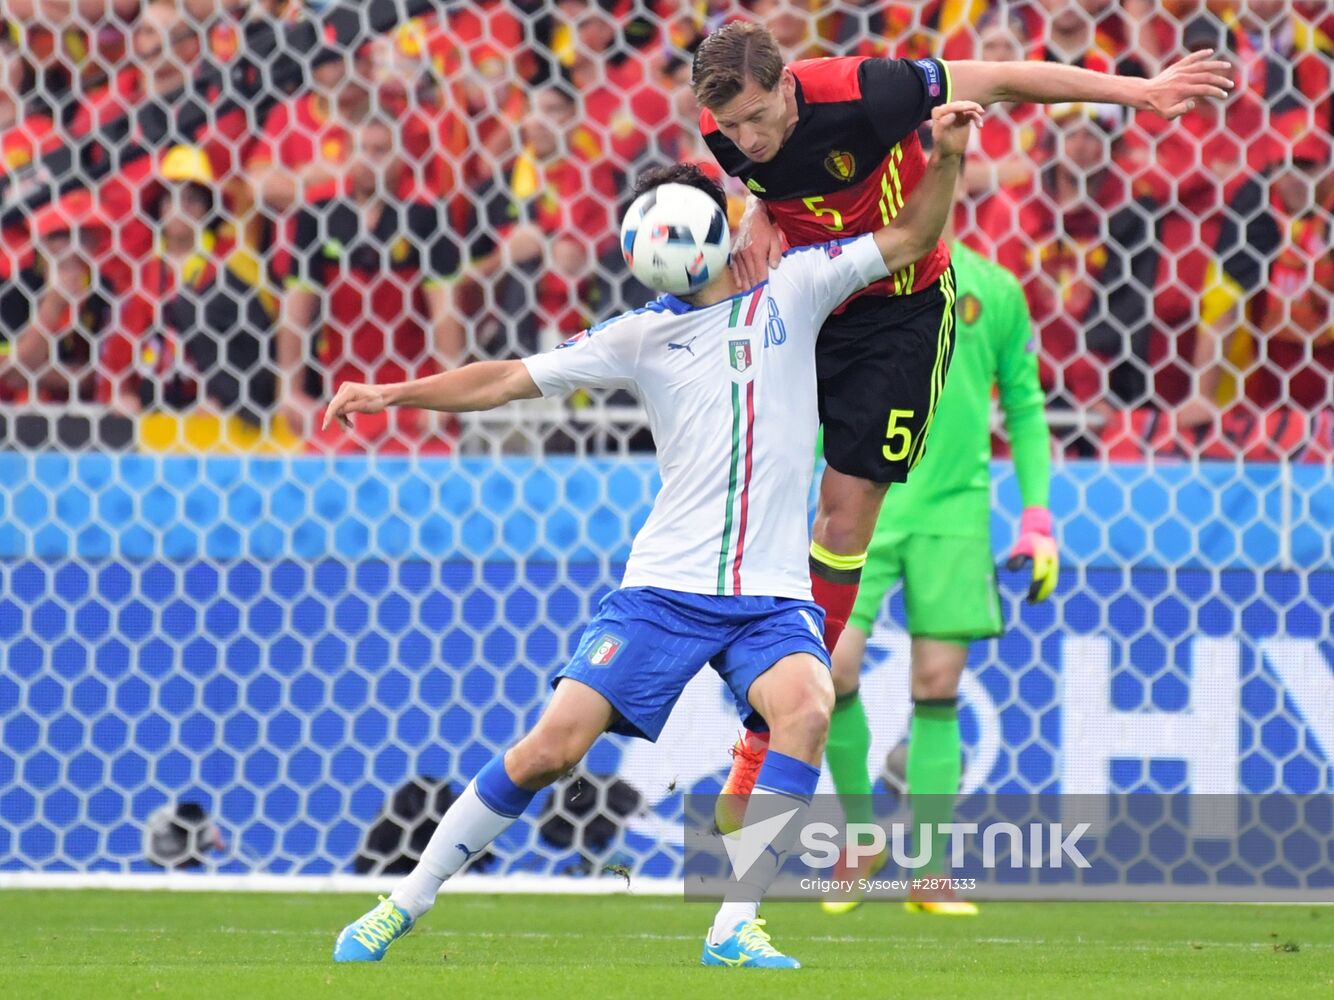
(949, 492)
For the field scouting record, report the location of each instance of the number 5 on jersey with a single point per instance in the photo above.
(819, 210)
(898, 439)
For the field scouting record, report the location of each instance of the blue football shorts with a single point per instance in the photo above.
(646, 644)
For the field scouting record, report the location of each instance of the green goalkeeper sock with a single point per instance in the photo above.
(848, 747)
(934, 771)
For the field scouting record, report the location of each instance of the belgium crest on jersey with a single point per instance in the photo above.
(739, 352)
(970, 309)
(841, 164)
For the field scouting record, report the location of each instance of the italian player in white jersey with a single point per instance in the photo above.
(718, 575)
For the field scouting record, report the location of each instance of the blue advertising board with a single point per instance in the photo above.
(285, 641)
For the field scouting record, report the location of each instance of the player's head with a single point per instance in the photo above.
(740, 77)
(712, 255)
(681, 173)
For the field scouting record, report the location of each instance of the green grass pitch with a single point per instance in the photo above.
(93, 945)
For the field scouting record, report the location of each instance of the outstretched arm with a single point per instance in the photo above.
(1171, 93)
(1022, 401)
(917, 228)
(480, 386)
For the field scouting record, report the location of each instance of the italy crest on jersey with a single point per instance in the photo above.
(739, 352)
(608, 646)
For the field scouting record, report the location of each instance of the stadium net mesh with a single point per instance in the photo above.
(235, 641)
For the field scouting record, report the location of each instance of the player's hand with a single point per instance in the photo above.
(352, 397)
(1176, 89)
(1037, 546)
(757, 249)
(951, 124)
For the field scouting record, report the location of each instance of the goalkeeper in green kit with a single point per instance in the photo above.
(934, 535)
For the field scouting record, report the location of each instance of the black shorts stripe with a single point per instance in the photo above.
(944, 349)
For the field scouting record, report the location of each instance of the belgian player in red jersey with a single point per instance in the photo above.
(829, 149)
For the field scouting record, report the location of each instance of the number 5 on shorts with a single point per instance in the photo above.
(898, 439)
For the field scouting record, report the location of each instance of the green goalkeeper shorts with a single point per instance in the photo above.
(949, 586)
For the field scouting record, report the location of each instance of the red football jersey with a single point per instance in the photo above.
(854, 157)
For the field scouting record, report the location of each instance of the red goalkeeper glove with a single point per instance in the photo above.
(1037, 546)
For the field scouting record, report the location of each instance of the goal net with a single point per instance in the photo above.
(234, 642)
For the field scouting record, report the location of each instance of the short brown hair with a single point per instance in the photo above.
(733, 54)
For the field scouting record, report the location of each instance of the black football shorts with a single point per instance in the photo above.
(881, 366)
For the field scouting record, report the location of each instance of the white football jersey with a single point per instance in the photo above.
(731, 399)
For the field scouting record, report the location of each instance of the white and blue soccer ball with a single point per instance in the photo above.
(675, 239)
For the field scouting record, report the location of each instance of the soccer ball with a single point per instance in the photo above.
(675, 239)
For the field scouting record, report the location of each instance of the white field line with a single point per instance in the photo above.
(481, 885)
(916, 942)
(607, 885)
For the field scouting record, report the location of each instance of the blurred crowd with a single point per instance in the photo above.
(452, 189)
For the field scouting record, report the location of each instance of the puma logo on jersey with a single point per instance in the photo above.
(684, 347)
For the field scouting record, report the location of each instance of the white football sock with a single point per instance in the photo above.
(468, 826)
(729, 915)
(756, 881)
